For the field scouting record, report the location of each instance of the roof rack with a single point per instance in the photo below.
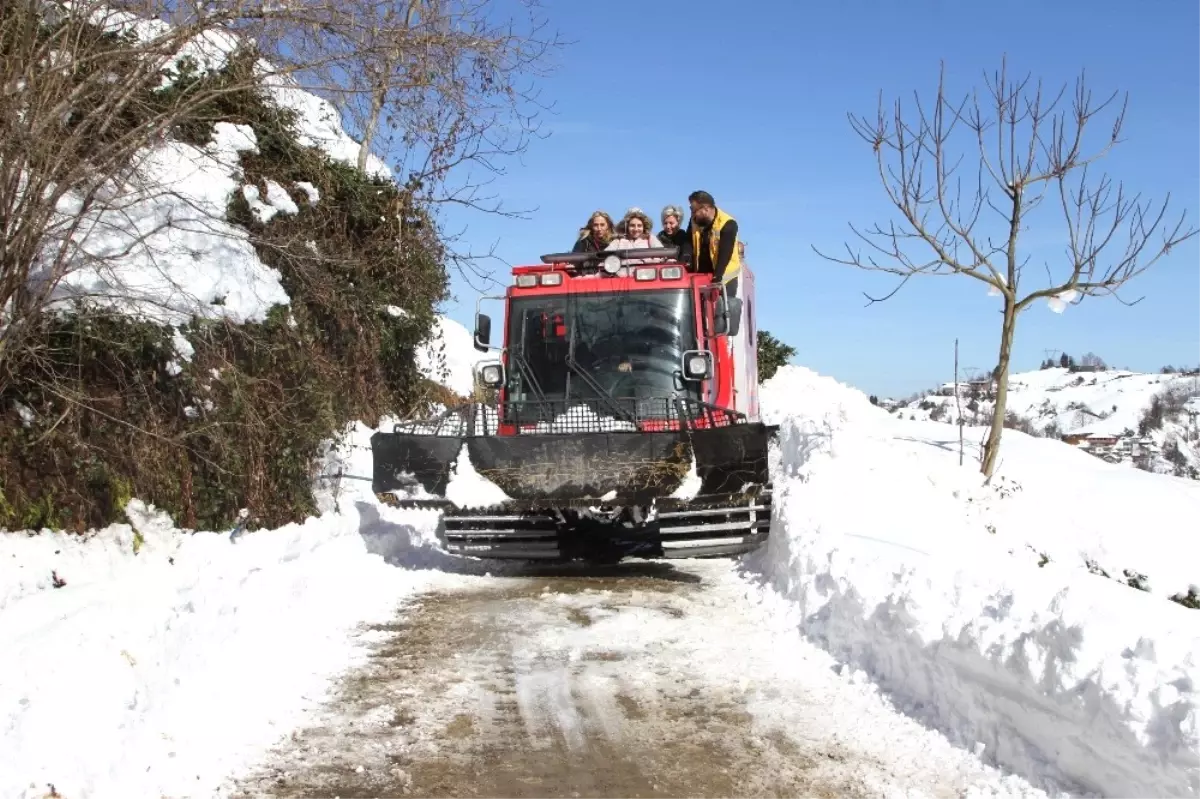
(580, 258)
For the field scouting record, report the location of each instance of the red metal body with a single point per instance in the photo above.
(734, 383)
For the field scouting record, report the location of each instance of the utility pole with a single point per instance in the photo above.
(958, 404)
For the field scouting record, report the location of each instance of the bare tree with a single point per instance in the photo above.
(1026, 147)
(447, 86)
(958, 404)
(89, 90)
(85, 96)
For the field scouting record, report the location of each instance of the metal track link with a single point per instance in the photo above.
(718, 530)
(492, 535)
(711, 529)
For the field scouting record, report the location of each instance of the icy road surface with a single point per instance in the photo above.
(644, 680)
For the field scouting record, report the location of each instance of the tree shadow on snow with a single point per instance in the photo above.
(408, 546)
(970, 448)
(797, 443)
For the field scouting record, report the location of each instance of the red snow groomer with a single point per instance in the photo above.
(626, 424)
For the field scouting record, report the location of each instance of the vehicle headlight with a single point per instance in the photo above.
(526, 281)
(697, 366)
(492, 374)
(672, 272)
(612, 264)
(552, 279)
(645, 273)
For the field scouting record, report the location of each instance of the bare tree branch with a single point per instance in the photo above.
(90, 89)
(1028, 146)
(447, 85)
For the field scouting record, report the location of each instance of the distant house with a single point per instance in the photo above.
(982, 387)
(974, 387)
(1091, 440)
(1085, 368)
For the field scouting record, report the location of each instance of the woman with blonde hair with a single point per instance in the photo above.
(635, 235)
(597, 234)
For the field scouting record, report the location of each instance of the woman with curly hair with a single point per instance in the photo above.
(635, 235)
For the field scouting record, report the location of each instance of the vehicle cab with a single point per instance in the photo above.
(629, 336)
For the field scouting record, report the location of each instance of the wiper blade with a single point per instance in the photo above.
(602, 393)
(527, 374)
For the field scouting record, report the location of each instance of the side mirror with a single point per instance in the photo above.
(697, 365)
(735, 316)
(720, 325)
(483, 332)
(492, 375)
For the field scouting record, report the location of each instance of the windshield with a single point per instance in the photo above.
(627, 346)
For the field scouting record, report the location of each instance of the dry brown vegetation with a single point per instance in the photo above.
(93, 411)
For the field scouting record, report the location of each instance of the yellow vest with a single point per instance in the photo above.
(714, 240)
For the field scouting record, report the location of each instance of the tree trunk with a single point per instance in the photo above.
(991, 448)
(370, 127)
(187, 490)
(958, 404)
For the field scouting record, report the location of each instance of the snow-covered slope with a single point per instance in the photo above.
(1109, 402)
(980, 608)
(1104, 404)
(163, 249)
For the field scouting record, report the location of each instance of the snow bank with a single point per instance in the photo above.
(165, 661)
(453, 341)
(206, 52)
(469, 489)
(318, 122)
(158, 246)
(904, 565)
(162, 250)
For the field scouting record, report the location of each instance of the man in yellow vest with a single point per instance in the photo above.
(714, 236)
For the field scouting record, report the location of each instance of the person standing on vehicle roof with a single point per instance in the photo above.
(673, 233)
(714, 237)
(597, 235)
(635, 234)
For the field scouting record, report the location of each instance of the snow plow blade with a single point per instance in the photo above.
(592, 495)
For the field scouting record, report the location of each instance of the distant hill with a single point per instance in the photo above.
(1147, 420)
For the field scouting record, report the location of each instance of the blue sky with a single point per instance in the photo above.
(749, 101)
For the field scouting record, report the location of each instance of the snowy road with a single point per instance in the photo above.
(644, 680)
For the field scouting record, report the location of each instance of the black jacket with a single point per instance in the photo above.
(680, 239)
(588, 244)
